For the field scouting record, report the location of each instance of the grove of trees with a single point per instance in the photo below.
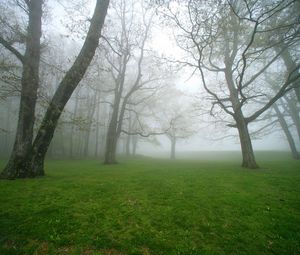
(99, 84)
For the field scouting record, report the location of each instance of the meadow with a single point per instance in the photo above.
(194, 205)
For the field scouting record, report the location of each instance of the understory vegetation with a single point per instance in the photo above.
(154, 206)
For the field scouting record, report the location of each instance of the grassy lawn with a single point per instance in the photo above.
(150, 206)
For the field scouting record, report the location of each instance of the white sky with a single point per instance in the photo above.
(165, 45)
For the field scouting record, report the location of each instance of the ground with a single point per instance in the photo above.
(154, 206)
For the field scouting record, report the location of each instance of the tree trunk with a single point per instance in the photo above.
(287, 133)
(112, 138)
(110, 149)
(73, 126)
(91, 113)
(66, 88)
(134, 139)
(294, 112)
(17, 166)
(97, 127)
(128, 140)
(173, 147)
(290, 65)
(242, 125)
(128, 137)
(246, 144)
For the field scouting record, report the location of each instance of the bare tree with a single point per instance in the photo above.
(224, 40)
(126, 63)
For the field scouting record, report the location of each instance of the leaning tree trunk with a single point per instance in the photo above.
(246, 144)
(65, 90)
(287, 132)
(17, 166)
(290, 65)
(294, 111)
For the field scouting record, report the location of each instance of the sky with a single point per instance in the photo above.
(164, 43)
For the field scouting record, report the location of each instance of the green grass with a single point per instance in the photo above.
(149, 206)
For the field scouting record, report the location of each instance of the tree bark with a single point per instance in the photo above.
(65, 90)
(135, 139)
(290, 65)
(111, 139)
(246, 144)
(91, 113)
(97, 127)
(173, 147)
(17, 166)
(287, 132)
(294, 112)
(73, 126)
(110, 150)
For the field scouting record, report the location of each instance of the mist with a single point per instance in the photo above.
(166, 79)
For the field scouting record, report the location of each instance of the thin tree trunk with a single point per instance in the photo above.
(173, 147)
(128, 137)
(287, 133)
(17, 166)
(97, 127)
(73, 126)
(134, 144)
(89, 127)
(128, 140)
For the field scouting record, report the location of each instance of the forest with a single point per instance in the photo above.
(149, 127)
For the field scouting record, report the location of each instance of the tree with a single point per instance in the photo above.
(126, 63)
(27, 159)
(29, 84)
(176, 115)
(223, 40)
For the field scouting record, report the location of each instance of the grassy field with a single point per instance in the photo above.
(150, 206)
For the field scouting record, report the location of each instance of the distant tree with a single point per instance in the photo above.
(176, 115)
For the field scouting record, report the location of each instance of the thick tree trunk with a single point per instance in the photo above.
(110, 149)
(173, 147)
(246, 144)
(241, 124)
(112, 138)
(17, 166)
(287, 133)
(66, 88)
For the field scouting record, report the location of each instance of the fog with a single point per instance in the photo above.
(166, 79)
